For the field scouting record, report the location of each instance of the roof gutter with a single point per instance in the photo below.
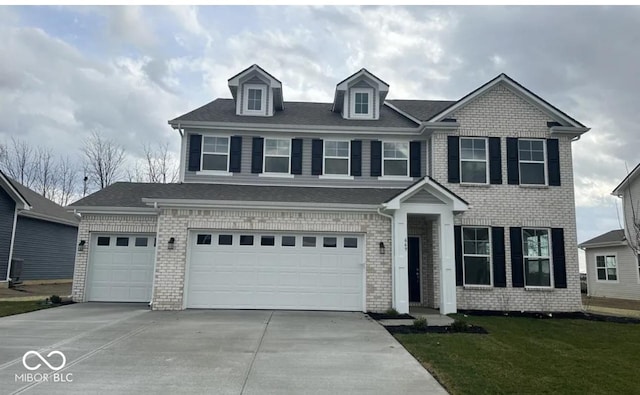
(602, 245)
(112, 210)
(49, 218)
(233, 204)
(576, 132)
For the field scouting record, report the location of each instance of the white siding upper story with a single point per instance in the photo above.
(631, 209)
(624, 284)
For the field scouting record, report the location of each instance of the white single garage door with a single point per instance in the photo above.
(275, 271)
(121, 268)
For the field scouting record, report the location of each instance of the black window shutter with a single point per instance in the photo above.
(316, 157)
(356, 158)
(256, 155)
(235, 150)
(517, 264)
(296, 156)
(513, 172)
(415, 165)
(553, 162)
(376, 158)
(457, 236)
(453, 155)
(195, 151)
(495, 161)
(559, 264)
(499, 270)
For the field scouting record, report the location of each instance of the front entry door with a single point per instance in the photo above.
(414, 269)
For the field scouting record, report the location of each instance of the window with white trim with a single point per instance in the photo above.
(336, 157)
(395, 159)
(277, 156)
(473, 160)
(361, 102)
(533, 162)
(476, 255)
(607, 267)
(215, 153)
(255, 98)
(537, 257)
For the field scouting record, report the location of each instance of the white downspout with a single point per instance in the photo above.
(393, 272)
(13, 238)
(155, 254)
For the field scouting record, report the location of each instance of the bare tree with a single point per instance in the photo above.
(18, 161)
(67, 178)
(104, 159)
(46, 172)
(135, 172)
(161, 166)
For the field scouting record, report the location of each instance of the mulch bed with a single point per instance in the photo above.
(578, 315)
(384, 316)
(409, 329)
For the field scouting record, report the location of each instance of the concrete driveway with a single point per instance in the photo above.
(123, 348)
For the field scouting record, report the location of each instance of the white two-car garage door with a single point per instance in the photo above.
(275, 271)
(121, 268)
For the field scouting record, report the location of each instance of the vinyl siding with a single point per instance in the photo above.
(7, 211)
(627, 286)
(48, 249)
(631, 208)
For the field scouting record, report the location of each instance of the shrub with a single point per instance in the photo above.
(55, 299)
(392, 312)
(420, 323)
(460, 326)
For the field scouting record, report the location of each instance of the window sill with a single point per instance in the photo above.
(334, 177)
(539, 289)
(276, 175)
(213, 173)
(474, 185)
(478, 287)
(395, 178)
(607, 281)
(534, 186)
(251, 113)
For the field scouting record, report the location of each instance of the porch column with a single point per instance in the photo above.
(447, 268)
(400, 262)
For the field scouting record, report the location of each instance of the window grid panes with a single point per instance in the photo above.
(473, 160)
(288, 241)
(277, 155)
(141, 242)
(308, 241)
(215, 153)
(246, 240)
(531, 154)
(225, 240)
(122, 241)
(254, 99)
(537, 261)
(350, 242)
(104, 241)
(607, 267)
(362, 103)
(268, 241)
(395, 158)
(336, 157)
(476, 256)
(331, 242)
(203, 239)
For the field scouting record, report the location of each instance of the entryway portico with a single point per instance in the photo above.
(429, 198)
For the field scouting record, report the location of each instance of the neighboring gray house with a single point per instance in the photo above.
(361, 204)
(613, 265)
(36, 230)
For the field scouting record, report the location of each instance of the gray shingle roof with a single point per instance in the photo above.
(295, 113)
(41, 206)
(126, 194)
(422, 109)
(613, 236)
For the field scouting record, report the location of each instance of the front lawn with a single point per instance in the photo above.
(11, 308)
(528, 355)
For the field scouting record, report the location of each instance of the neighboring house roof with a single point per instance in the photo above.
(7, 184)
(296, 113)
(131, 195)
(422, 109)
(619, 189)
(43, 208)
(611, 238)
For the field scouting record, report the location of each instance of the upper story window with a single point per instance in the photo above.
(532, 156)
(361, 102)
(477, 256)
(277, 155)
(537, 258)
(606, 267)
(215, 153)
(395, 159)
(255, 98)
(336, 157)
(473, 160)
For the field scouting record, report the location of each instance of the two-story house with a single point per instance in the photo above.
(613, 258)
(361, 204)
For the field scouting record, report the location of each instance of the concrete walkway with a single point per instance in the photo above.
(120, 348)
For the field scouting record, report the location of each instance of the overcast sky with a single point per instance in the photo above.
(125, 71)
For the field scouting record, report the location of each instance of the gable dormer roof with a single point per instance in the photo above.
(253, 73)
(362, 75)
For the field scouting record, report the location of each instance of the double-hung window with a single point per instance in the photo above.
(215, 153)
(277, 155)
(361, 102)
(395, 159)
(254, 99)
(607, 268)
(336, 157)
(532, 156)
(537, 257)
(473, 160)
(476, 256)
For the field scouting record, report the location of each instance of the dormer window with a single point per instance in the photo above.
(255, 99)
(361, 102)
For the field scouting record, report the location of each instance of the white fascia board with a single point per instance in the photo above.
(568, 130)
(47, 218)
(112, 210)
(622, 187)
(314, 206)
(602, 245)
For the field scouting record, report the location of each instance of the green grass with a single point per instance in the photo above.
(11, 308)
(526, 356)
